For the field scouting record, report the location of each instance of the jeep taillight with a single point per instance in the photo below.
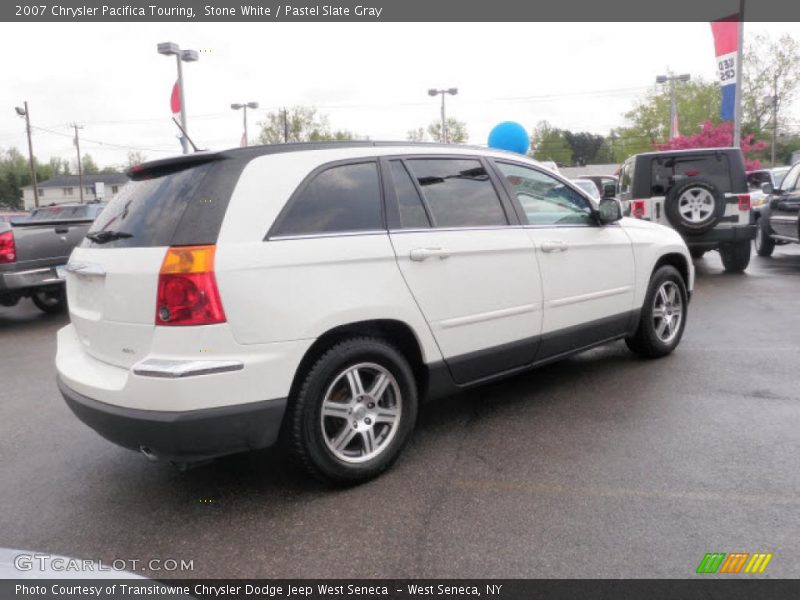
(639, 208)
(187, 288)
(744, 202)
(8, 249)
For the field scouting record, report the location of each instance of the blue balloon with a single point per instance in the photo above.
(509, 136)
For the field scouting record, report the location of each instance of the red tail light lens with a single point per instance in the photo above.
(638, 208)
(8, 249)
(187, 288)
(744, 202)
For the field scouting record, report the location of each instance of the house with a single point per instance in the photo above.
(66, 188)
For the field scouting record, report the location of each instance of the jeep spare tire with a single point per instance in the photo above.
(694, 206)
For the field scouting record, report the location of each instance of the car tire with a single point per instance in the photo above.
(694, 206)
(50, 302)
(362, 429)
(735, 256)
(663, 315)
(765, 245)
(697, 252)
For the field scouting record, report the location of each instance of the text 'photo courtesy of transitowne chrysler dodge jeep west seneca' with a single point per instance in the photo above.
(316, 293)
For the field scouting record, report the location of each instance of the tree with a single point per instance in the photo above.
(136, 157)
(584, 146)
(549, 143)
(456, 131)
(89, 166)
(416, 135)
(714, 136)
(768, 63)
(299, 124)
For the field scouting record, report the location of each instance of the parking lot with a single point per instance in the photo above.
(604, 465)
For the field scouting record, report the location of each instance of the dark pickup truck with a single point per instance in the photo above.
(34, 250)
(778, 218)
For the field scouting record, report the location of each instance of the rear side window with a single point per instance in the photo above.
(412, 211)
(343, 198)
(148, 212)
(625, 178)
(458, 192)
(671, 170)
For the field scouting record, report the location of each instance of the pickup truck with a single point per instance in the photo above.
(34, 250)
(778, 218)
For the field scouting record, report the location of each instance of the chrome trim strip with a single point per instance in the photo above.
(175, 369)
(591, 296)
(488, 316)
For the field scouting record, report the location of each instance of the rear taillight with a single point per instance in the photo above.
(187, 288)
(744, 202)
(639, 208)
(8, 250)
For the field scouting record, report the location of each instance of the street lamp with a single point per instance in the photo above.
(24, 112)
(435, 92)
(673, 105)
(245, 106)
(169, 49)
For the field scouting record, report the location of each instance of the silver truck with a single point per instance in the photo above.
(34, 250)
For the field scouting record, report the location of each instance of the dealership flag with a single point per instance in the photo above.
(175, 101)
(726, 46)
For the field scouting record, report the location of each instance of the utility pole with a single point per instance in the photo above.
(774, 116)
(77, 141)
(285, 127)
(24, 112)
(737, 115)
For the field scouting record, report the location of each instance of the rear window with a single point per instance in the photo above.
(668, 171)
(148, 212)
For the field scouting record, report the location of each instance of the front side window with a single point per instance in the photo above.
(545, 200)
(458, 192)
(343, 198)
(789, 182)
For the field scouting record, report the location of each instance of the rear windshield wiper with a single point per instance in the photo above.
(101, 237)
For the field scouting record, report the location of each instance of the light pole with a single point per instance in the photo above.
(673, 104)
(245, 106)
(24, 112)
(442, 93)
(773, 100)
(169, 49)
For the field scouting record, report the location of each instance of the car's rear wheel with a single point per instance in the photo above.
(50, 301)
(663, 316)
(735, 255)
(354, 411)
(765, 245)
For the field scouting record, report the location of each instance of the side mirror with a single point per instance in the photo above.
(609, 190)
(767, 188)
(609, 210)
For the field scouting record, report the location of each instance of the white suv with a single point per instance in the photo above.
(316, 292)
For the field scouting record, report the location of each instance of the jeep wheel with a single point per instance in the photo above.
(694, 206)
(765, 245)
(663, 315)
(735, 256)
(354, 411)
(50, 302)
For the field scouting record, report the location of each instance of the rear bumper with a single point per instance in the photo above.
(19, 281)
(182, 436)
(715, 237)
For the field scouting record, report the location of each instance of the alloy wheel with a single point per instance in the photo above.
(667, 311)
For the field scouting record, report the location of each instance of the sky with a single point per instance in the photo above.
(369, 78)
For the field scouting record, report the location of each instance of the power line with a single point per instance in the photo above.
(101, 143)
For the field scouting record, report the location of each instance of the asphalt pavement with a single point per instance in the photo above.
(604, 465)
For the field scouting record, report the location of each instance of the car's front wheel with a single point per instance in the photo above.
(765, 245)
(663, 316)
(354, 411)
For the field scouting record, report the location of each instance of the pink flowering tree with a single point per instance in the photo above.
(717, 136)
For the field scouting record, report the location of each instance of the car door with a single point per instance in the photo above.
(784, 207)
(467, 261)
(587, 269)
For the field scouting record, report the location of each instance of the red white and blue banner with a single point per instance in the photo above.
(726, 46)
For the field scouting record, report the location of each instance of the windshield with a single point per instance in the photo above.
(587, 186)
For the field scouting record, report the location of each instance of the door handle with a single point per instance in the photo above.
(554, 246)
(62, 229)
(420, 254)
